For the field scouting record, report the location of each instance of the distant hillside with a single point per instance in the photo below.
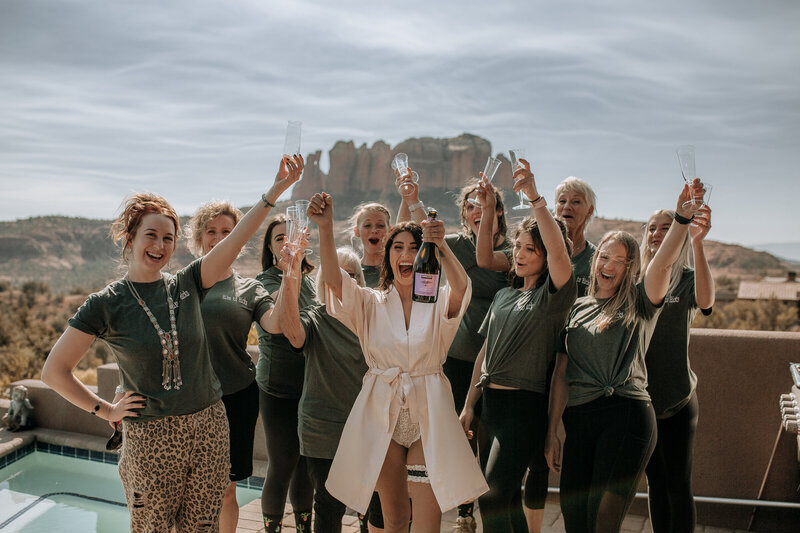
(76, 254)
(784, 250)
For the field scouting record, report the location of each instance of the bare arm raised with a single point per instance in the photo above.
(222, 256)
(558, 261)
(656, 279)
(320, 210)
(703, 280)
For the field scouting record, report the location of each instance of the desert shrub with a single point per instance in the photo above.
(763, 315)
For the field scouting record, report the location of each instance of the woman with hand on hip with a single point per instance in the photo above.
(510, 374)
(174, 463)
(670, 380)
(601, 379)
(402, 434)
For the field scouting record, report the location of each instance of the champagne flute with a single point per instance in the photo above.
(400, 164)
(707, 198)
(686, 160)
(291, 143)
(302, 221)
(492, 164)
(292, 227)
(517, 154)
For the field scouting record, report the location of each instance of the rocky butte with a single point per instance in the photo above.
(364, 173)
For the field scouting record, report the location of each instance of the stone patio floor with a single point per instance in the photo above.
(250, 521)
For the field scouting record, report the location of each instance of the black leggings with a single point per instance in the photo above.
(536, 480)
(516, 425)
(286, 470)
(328, 511)
(609, 441)
(669, 472)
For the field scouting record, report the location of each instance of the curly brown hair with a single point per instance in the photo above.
(500, 209)
(133, 210)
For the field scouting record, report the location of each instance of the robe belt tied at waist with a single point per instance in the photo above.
(401, 382)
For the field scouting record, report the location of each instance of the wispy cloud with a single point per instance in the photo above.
(191, 98)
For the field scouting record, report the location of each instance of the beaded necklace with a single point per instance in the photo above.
(171, 365)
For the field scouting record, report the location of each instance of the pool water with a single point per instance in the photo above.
(47, 492)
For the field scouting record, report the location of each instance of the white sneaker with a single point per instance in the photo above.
(465, 524)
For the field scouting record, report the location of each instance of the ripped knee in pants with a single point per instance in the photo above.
(204, 526)
(139, 499)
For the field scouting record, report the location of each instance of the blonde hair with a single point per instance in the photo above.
(624, 300)
(205, 214)
(133, 210)
(573, 184)
(361, 210)
(679, 265)
(367, 207)
(346, 257)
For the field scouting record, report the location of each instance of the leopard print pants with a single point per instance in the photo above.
(175, 470)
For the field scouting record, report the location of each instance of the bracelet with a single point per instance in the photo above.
(119, 390)
(267, 203)
(418, 205)
(94, 411)
(539, 202)
(680, 219)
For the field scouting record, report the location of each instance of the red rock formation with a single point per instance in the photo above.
(443, 164)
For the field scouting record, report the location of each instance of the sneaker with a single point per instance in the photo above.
(465, 524)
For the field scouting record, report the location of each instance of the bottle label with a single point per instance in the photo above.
(426, 284)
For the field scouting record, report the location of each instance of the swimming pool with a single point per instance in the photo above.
(55, 490)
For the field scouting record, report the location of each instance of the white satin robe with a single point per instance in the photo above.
(405, 370)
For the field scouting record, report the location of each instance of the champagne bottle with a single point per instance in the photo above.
(427, 268)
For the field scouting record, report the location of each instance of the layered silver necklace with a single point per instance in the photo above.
(170, 364)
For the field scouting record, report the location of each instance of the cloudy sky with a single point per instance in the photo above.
(190, 99)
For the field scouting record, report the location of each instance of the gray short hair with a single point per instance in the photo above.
(347, 257)
(573, 184)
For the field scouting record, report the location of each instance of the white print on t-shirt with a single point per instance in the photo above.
(237, 299)
(583, 280)
(672, 299)
(183, 295)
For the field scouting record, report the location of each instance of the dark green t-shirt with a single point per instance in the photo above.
(114, 315)
(372, 275)
(670, 380)
(611, 361)
(582, 267)
(229, 308)
(485, 284)
(279, 370)
(522, 330)
(335, 367)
